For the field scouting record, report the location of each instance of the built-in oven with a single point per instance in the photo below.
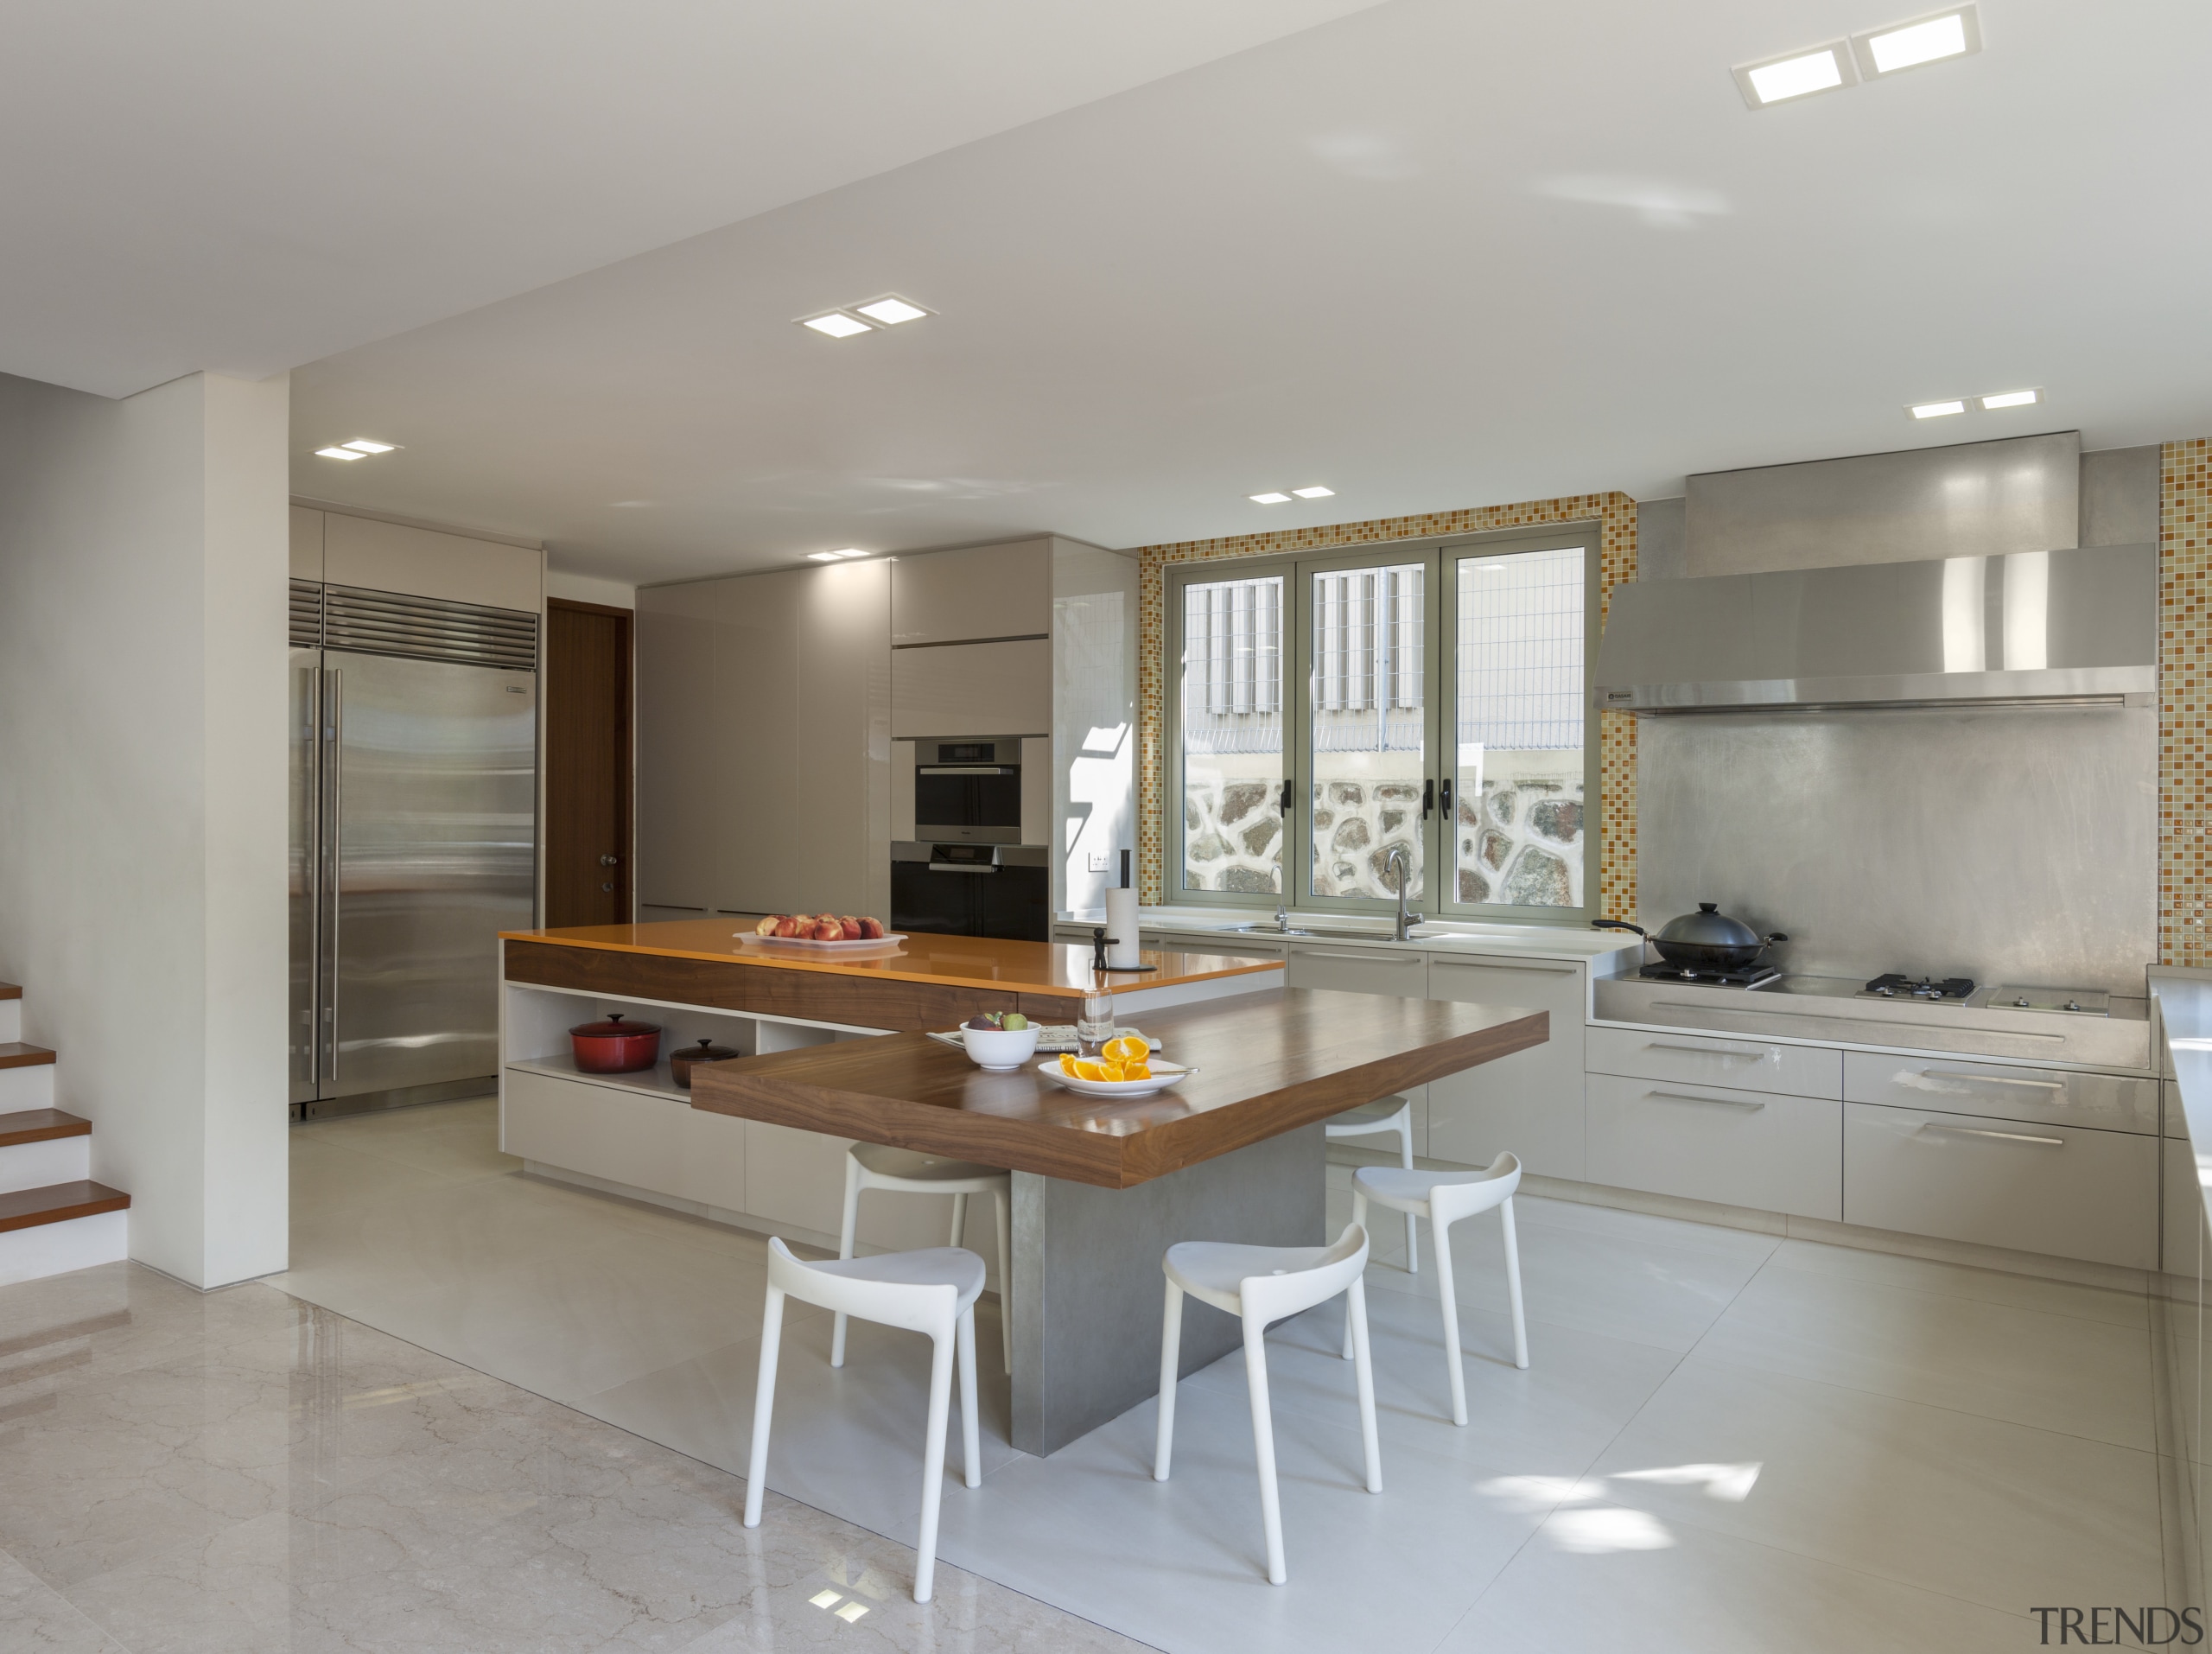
(966, 791)
(1001, 890)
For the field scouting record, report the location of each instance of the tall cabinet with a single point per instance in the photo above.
(763, 743)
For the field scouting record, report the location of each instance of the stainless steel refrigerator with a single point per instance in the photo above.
(414, 816)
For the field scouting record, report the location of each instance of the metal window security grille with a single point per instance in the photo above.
(1368, 643)
(421, 628)
(1520, 647)
(1232, 666)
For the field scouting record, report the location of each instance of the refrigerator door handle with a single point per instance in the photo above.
(336, 838)
(314, 872)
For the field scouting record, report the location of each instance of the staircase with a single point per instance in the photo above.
(53, 1216)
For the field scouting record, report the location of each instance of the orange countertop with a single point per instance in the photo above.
(1054, 968)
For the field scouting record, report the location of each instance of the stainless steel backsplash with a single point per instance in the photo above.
(2017, 845)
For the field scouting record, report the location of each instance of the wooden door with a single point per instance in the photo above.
(588, 733)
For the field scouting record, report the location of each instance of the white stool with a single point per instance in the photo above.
(1388, 1114)
(1444, 1198)
(932, 1292)
(879, 1166)
(1260, 1284)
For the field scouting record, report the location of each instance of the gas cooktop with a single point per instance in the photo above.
(1750, 977)
(1929, 990)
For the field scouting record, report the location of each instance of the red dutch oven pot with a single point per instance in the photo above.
(615, 1046)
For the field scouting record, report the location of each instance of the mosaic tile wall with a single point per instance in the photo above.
(1614, 511)
(2185, 698)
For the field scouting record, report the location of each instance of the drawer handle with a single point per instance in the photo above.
(1711, 1051)
(1717, 1102)
(2003, 1137)
(1365, 958)
(1533, 970)
(1994, 1079)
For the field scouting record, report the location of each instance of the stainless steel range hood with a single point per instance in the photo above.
(2073, 625)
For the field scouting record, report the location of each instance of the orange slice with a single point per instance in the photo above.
(1136, 1070)
(1126, 1047)
(1067, 1066)
(1089, 1069)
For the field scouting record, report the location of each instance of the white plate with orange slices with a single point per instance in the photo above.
(1123, 1067)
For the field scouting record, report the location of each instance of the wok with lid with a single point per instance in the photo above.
(1704, 940)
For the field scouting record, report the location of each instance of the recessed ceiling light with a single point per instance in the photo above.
(340, 453)
(1937, 409)
(365, 446)
(2012, 400)
(1908, 45)
(837, 324)
(891, 311)
(1269, 499)
(821, 556)
(1313, 493)
(851, 551)
(1798, 74)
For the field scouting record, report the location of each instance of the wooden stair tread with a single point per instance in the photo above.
(8, 991)
(14, 1054)
(58, 1202)
(37, 1125)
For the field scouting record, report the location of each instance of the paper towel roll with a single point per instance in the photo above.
(1122, 924)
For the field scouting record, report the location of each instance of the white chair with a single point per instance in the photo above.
(1260, 1285)
(1379, 1118)
(932, 1291)
(879, 1166)
(1444, 1198)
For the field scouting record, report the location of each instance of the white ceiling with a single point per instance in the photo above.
(244, 185)
(1431, 254)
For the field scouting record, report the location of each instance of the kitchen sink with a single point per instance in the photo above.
(1264, 929)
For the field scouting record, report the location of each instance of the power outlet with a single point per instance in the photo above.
(1100, 861)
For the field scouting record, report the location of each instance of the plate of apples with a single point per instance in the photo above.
(836, 934)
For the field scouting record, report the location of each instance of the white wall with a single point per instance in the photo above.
(143, 569)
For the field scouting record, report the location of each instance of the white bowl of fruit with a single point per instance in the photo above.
(999, 1042)
(841, 933)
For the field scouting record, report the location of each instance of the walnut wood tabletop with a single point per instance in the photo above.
(1269, 1062)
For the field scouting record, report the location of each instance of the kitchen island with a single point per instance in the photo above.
(636, 1135)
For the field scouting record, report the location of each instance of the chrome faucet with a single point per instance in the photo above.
(1399, 854)
(1283, 915)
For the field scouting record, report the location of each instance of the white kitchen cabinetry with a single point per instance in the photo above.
(1717, 1060)
(2181, 1211)
(458, 568)
(983, 591)
(972, 689)
(1364, 970)
(2064, 1190)
(307, 543)
(764, 762)
(2054, 1096)
(1530, 1103)
(1772, 1150)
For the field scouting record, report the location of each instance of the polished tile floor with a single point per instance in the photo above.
(1724, 1443)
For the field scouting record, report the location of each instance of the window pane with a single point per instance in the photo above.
(1232, 735)
(1517, 836)
(1369, 728)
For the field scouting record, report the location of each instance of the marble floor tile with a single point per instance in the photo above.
(456, 1140)
(37, 1619)
(1984, 1509)
(1601, 1576)
(1962, 1280)
(2089, 1377)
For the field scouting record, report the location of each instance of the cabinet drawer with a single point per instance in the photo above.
(2064, 1191)
(2053, 1095)
(1530, 1102)
(1717, 1060)
(1766, 1150)
(1358, 970)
